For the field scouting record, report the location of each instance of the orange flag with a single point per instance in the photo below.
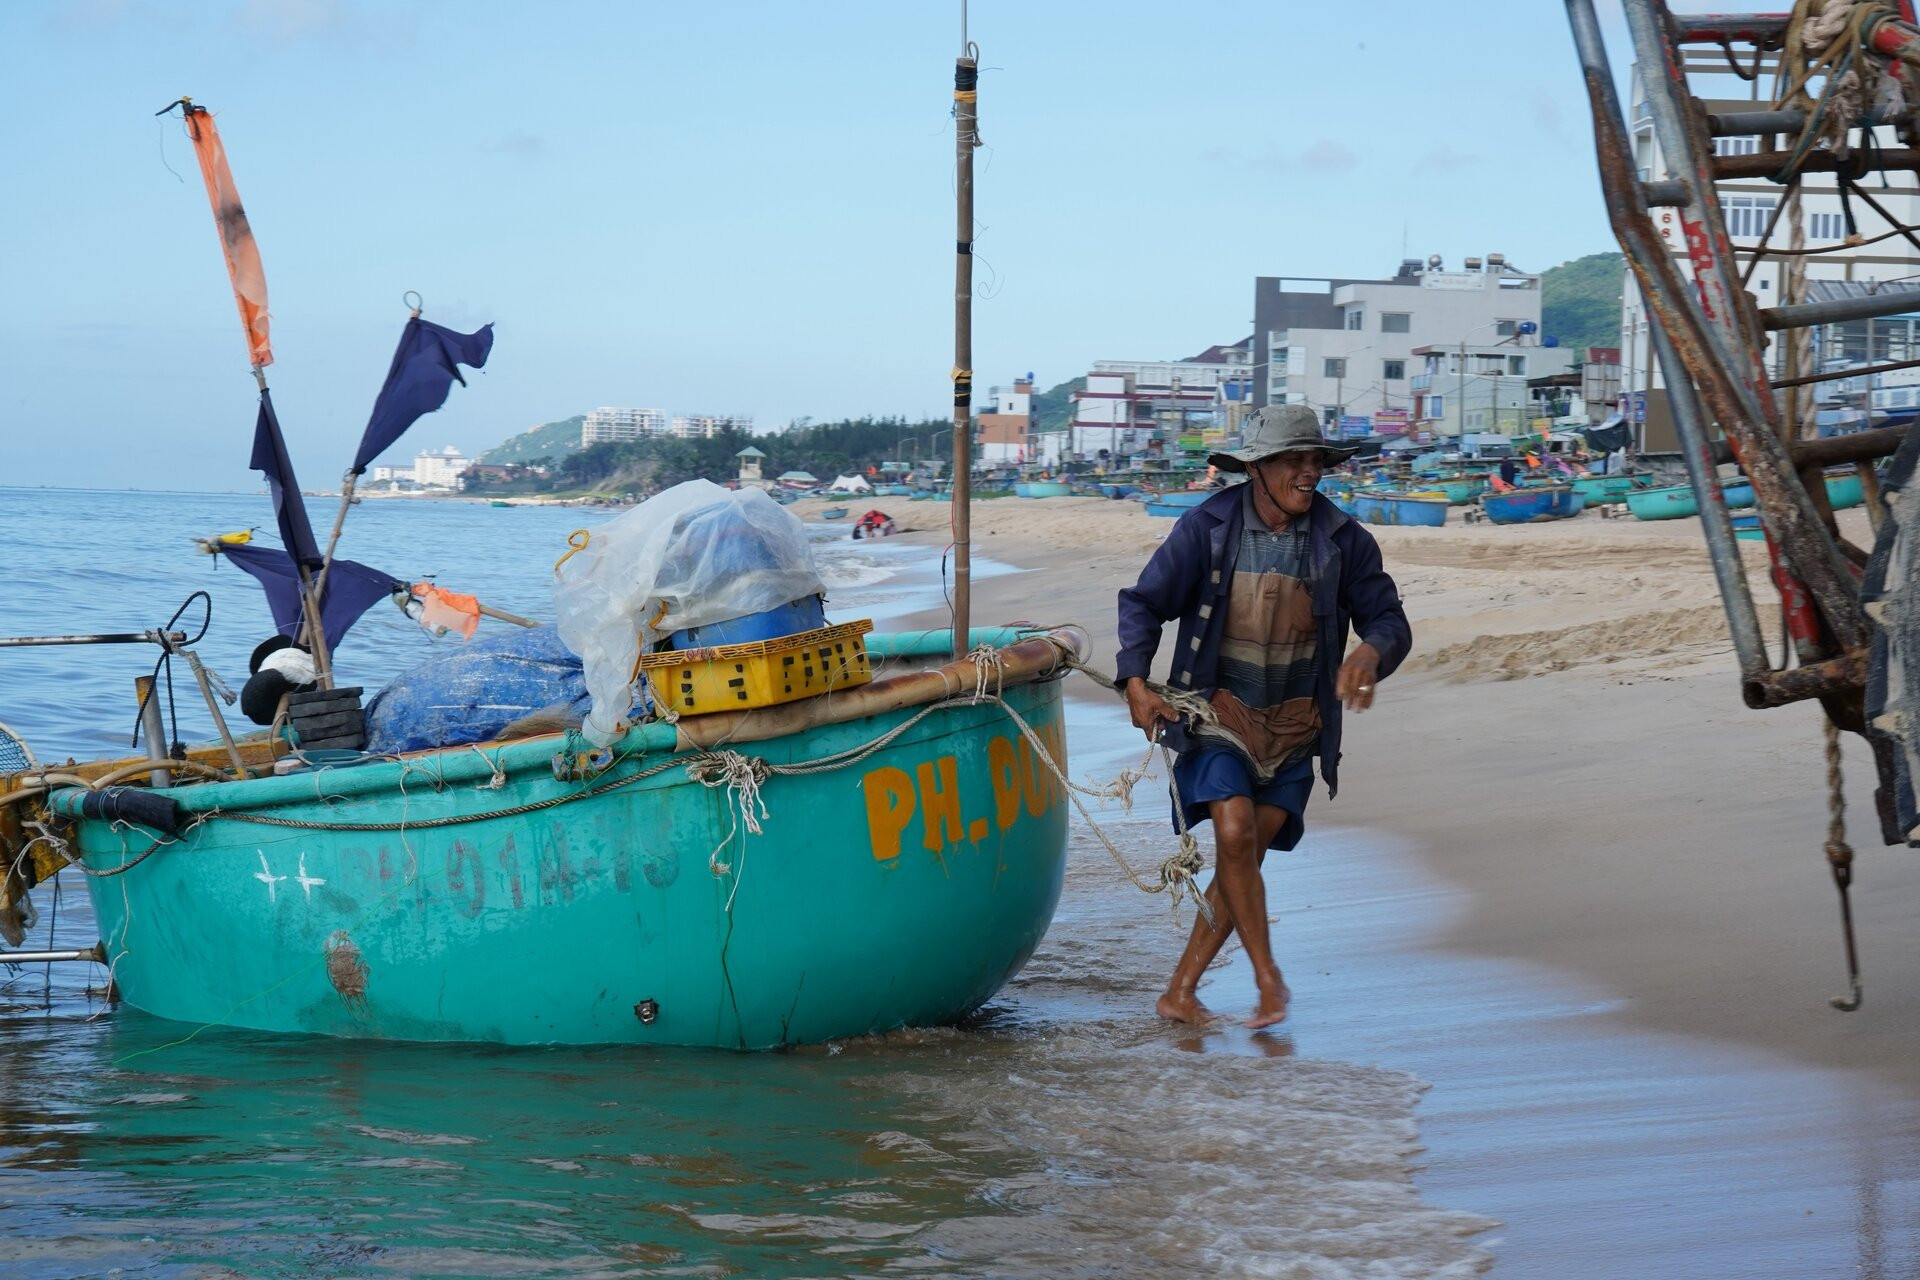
(445, 611)
(236, 237)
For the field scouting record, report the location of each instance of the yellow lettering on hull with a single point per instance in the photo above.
(1018, 778)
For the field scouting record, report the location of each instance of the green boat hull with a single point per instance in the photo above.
(904, 889)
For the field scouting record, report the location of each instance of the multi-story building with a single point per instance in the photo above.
(1151, 408)
(611, 425)
(439, 468)
(1750, 206)
(1002, 431)
(1481, 387)
(1347, 347)
(707, 426)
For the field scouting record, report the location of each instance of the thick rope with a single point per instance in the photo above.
(1840, 860)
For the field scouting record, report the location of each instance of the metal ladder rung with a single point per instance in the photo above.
(1765, 164)
(1802, 315)
(1768, 30)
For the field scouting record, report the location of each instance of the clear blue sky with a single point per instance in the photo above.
(722, 206)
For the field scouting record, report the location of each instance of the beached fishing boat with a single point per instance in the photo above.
(1672, 503)
(1174, 501)
(1844, 489)
(1042, 489)
(1607, 490)
(1523, 506)
(1375, 507)
(767, 866)
(709, 886)
(834, 513)
(1458, 490)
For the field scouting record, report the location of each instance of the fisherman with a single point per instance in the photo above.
(1265, 579)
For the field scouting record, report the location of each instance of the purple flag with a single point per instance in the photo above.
(289, 511)
(425, 366)
(352, 589)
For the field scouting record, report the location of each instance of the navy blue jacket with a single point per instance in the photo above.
(1188, 579)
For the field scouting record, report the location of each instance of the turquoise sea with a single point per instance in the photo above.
(1061, 1132)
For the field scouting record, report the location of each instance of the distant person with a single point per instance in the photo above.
(1509, 473)
(1265, 579)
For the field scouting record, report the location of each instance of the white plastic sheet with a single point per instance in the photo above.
(693, 555)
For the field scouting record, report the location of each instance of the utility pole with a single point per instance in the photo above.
(966, 136)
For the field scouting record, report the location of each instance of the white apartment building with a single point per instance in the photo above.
(1748, 205)
(1135, 406)
(1483, 383)
(439, 468)
(610, 425)
(706, 426)
(1347, 347)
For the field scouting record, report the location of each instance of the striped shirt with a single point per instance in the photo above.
(1269, 662)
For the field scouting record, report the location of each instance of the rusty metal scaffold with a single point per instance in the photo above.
(1711, 337)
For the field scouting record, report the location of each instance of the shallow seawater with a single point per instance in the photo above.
(1061, 1132)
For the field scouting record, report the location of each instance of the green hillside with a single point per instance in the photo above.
(1053, 408)
(548, 440)
(1580, 301)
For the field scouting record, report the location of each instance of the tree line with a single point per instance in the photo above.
(640, 467)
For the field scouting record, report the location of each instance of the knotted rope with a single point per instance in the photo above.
(1840, 860)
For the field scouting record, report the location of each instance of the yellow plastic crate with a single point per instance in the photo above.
(763, 673)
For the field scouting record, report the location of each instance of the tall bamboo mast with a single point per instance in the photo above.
(966, 137)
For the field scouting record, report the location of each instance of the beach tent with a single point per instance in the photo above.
(850, 484)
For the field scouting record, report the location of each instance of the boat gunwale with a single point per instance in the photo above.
(1041, 656)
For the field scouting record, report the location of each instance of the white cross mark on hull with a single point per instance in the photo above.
(265, 874)
(306, 881)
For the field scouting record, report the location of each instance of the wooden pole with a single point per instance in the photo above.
(310, 629)
(966, 136)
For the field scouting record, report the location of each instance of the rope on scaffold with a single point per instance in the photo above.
(1840, 860)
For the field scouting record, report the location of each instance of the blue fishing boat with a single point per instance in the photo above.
(1748, 528)
(1377, 507)
(1172, 502)
(1042, 489)
(834, 513)
(1738, 492)
(1523, 506)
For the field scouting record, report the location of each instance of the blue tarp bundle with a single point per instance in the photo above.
(471, 693)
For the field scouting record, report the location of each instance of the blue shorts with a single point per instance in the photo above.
(1220, 773)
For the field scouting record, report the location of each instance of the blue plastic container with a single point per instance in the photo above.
(809, 613)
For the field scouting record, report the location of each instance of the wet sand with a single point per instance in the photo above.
(1613, 933)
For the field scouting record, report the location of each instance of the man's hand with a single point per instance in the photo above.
(1355, 683)
(1148, 708)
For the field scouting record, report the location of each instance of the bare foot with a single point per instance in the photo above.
(1272, 1007)
(1183, 1006)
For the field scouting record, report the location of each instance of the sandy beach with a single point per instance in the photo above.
(1615, 931)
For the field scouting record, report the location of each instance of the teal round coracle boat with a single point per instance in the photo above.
(1607, 490)
(741, 880)
(1843, 489)
(1460, 490)
(1042, 489)
(1672, 503)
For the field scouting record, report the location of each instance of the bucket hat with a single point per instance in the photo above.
(1281, 428)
